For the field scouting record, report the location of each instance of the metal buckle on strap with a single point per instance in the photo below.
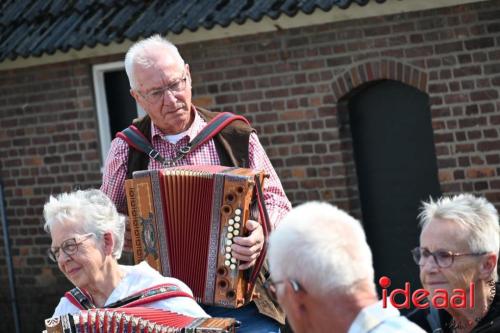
(153, 154)
(185, 149)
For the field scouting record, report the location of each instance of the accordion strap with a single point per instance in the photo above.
(156, 293)
(266, 229)
(80, 299)
(135, 139)
(149, 295)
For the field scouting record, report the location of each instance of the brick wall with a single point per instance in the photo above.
(288, 84)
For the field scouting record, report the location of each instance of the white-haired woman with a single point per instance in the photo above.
(87, 238)
(459, 247)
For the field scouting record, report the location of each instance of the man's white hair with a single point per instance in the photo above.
(90, 211)
(321, 247)
(477, 217)
(139, 54)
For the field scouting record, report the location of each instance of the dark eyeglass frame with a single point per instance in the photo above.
(149, 96)
(67, 247)
(417, 254)
(270, 286)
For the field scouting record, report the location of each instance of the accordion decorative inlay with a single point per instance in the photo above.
(183, 222)
(138, 319)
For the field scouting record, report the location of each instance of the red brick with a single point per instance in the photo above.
(488, 145)
(480, 172)
(484, 95)
(419, 51)
(449, 47)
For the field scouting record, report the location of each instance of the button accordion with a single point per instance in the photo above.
(139, 319)
(183, 221)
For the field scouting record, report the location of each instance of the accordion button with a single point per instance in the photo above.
(236, 232)
(229, 235)
(233, 266)
(230, 228)
(237, 211)
(228, 256)
(229, 242)
(233, 260)
(237, 225)
(237, 218)
(228, 249)
(227, 263)
(231, 221)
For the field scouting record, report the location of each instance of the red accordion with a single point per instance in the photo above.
(183, 220)
(143, 320)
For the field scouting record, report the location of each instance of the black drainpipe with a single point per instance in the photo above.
(8, 259)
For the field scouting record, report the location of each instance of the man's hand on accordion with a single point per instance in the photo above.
(247, 249)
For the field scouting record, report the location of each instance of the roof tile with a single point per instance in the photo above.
(32, 28)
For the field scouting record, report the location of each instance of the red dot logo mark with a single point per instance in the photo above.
(384, 282)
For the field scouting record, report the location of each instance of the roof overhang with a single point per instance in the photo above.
(372, 9)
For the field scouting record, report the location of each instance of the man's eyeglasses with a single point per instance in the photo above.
(156, 95)
(270, 286)
(69, 247)
(442, 258)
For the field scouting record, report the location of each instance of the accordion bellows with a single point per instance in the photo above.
(183, 220)
(139, 319)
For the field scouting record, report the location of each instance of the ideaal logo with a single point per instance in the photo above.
(419, 298)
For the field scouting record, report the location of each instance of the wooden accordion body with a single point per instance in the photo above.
(183, 220)
(139, 319)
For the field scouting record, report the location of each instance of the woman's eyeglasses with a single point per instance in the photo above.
(69, 247)
(270, 286)
(442, 258)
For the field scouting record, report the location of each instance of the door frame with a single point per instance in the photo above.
(98, 72)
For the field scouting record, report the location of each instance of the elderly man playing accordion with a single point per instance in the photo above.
(161, 83)
(459, 247)
(87, 236)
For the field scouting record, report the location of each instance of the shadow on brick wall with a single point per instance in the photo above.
(34, 304)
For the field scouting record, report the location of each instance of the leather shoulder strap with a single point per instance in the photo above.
(80, 299)
(232, 142)
(138, 160)
(149, 295)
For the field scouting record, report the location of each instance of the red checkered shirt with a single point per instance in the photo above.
(115, 168)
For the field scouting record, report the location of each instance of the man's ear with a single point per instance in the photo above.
(109, 243)
(188, 72)
(488, 264)
(297, 299)
(296, 308)
(134, 94)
